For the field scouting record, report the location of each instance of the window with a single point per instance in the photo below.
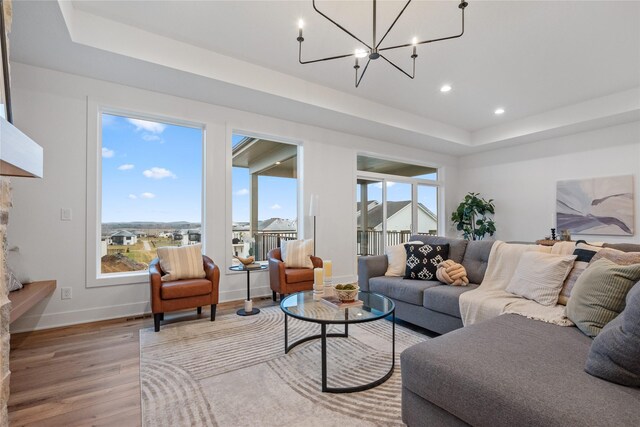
(151, 190)
(394, 201)
(264, 197)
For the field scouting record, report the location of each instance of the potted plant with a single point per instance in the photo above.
(471, 217)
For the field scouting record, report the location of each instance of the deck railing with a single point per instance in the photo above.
(372, 242)
(264, 241)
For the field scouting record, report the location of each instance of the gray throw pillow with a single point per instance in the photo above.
(615, 352)
(599, 294)
(12, 281)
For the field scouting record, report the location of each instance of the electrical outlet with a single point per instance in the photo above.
(65, 214)
(65, 293)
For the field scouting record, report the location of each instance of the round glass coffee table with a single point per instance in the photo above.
(307, 307)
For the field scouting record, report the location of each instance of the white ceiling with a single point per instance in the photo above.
(529, 57)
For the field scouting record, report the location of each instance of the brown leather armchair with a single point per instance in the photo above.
(182, 294)
(289, 280)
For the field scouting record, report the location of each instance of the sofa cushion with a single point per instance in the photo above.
(599, 294)
(181, 262)
(444, 299)
(297, 275)
(615, 352)
(476, 258)
(423, 260)
(456, 246)
(398, 288)
(511, 370)
(624, 247)
(185, 288)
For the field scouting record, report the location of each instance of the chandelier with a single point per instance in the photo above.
(374, 50)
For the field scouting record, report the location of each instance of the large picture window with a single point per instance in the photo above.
(264, 200)
(151, 190)
(394, 201)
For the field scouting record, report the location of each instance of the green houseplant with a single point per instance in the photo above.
(471, 217)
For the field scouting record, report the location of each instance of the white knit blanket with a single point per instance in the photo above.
(491, 300)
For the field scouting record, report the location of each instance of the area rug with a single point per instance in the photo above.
(234, 372)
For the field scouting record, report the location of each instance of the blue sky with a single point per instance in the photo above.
(277, 196)
(150, 171)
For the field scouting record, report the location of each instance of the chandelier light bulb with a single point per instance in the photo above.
(414, 41)
(300, 24)
(360, 53)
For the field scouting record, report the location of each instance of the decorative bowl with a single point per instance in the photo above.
(245, 261)
(347, 295)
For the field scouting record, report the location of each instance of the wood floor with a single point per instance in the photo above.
(84, 375)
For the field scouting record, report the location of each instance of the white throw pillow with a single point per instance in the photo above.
(539, 276)
(297, 253)
(397, 259)
(183, 262)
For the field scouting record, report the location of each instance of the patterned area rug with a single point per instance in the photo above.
(234, 372)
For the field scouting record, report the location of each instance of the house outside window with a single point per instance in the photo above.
(394, 201)
(264, 198)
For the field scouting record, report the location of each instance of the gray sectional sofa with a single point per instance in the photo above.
(427, 303)
(506, 371)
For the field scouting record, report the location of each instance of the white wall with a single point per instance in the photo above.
(52, 108)
(522, 180)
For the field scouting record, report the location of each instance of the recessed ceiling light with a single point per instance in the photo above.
(499, 111)
(445, 88)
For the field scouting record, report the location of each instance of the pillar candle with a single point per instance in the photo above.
(328, 269)
(318, 278)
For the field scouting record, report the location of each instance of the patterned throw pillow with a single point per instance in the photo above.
(423, 260)
(184, 262)
(584, 253)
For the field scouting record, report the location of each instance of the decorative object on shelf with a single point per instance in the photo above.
(596, 206)
(471, 217)
(374, 51)
(347, 292)
(318, 280)
(245, 261)
(553, 234)
(566, 235)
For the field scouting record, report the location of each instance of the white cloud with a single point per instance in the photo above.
(242, 192)
(150, 137)
(148, 126)
(107, 153)
(389, 184)
(133, 196)
(126, 167)
(276, 206)
(148, 195)
(158, 173)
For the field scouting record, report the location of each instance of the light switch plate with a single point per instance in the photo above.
(65, 214)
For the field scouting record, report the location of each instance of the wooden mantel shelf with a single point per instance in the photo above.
(31, 294)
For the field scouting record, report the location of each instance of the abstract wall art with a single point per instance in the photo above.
(596, 206)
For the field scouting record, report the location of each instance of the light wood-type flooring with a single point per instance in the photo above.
(84, 375)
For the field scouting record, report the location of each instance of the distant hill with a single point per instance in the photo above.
(141, 225)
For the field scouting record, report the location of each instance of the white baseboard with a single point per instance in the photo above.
(67, 318)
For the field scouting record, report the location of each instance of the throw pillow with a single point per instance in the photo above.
(13, 282)
(584, 253)
(423, 260)
(183, 262)
(615, 352)
(298, 253)
(539, 276)
(599, 294)
(619, 257)
(397, 259)
(452, 273)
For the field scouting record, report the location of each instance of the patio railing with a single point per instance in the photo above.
(371, 242)
(265, 241)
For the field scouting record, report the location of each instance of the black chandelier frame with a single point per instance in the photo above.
(374, 50)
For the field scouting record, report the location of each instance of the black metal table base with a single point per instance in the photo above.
(242, 312)
(323, 337)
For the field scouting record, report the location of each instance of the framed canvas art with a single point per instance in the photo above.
(596, 206)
